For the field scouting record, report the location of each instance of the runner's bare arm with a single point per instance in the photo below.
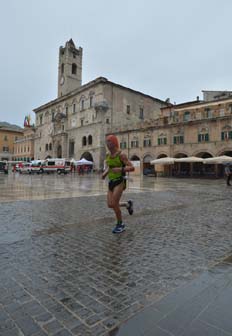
(105, 173)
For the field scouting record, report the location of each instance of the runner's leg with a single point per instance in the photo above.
(116, 196)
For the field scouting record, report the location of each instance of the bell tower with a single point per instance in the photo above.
(69, 68)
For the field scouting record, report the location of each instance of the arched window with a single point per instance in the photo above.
(123, 144)
(46, 147)
(226, 133)
(74, 69)
(186, 116)
(84, 141)
(162, 139)
(147, 142)
(178, 139)
(82, 104)
(90, 139)
(203, 135)
(91, 101)
(50, 146)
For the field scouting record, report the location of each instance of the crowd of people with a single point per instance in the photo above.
(81, 170)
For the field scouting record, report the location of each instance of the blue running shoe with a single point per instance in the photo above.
(119, 228)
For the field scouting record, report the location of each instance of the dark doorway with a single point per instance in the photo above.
(87, 156)
(59, 152)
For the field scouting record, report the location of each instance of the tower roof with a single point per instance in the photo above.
(72, 43)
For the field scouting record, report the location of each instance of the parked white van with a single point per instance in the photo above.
(35, 166)
(30, 167)
(56, 165)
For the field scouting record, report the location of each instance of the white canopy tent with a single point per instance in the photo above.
(170, 160)
(83, 162)
(162, 161)
(218, 160)
(189, 159)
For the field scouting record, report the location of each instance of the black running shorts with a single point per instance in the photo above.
(114, 183)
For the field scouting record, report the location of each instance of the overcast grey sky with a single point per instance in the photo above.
(164, 48)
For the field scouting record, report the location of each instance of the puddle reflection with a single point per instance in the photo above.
(28, 187)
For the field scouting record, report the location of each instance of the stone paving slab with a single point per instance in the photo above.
(200, 308)
(62, 272)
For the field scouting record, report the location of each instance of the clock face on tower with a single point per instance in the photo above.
(62, 80)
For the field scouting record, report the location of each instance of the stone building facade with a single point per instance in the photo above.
(24, 146)
(74, 125)
(198, 128)
(8, 135)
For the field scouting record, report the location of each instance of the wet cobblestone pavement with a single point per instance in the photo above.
(64, 273)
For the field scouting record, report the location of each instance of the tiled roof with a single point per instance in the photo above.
(7, 126)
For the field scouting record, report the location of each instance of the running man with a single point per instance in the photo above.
(117, 166)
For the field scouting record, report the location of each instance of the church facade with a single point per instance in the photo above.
(74, 124)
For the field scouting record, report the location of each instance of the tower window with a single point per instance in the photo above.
(84, 141)
(62, 68)
(128, 109)
(74, 69)
(74, 108)
(90, 140)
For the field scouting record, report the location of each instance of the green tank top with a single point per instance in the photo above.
(113, 163)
